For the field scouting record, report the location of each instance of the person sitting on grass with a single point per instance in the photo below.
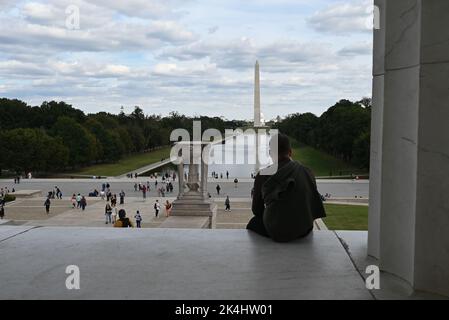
(285, 198)
(123, 221)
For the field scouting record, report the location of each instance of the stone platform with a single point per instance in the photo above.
(27, 194)
(173, 264)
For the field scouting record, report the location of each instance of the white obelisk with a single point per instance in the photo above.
(257, 96)
(257, 123)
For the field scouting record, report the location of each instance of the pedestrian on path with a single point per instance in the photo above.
(2, 211)
(144, 192)
(114, 215)
(83, 203)
(218, 189)
(47, 204)
(73, 200)
(157, 208)
(168, 207)
(122, 197)
(78, 201)
(108, 213)
(114, 200)
(236, 181)
(138, 218)
(227, 204)
(58, 193)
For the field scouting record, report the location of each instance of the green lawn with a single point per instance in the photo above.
(321, 163)
(346, 217)
(127, 164)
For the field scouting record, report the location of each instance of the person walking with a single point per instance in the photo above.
(144, 192)
(114, 215)
(236, 181)
(218, 189)
(58, 193)
(138, 218)
(123, 221)
(78, 201)
(108, 213)
(47, 204)
(227, 204)
(83, 203)
(168, 207)
(2, 211)
(73, 200)
(122, 197)
(227, 174)
(157, 208)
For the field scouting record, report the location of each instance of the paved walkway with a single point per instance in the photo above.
(31, 212)
(144, 169)
(338, 189)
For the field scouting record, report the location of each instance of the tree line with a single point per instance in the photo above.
(342, 131)
(55, 136)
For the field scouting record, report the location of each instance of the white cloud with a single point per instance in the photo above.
(356, 49)
(183, 55)
(343, 18)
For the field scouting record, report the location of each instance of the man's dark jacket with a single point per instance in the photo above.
(286, 204)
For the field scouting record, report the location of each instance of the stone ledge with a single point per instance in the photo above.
(174, 264)
(27, 194)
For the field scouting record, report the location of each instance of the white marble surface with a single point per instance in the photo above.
(399, 166)
(414, 205)
(175, 264)
(402, 49)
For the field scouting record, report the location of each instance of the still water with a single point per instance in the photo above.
(238, 156)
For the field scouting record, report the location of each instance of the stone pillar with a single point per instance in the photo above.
(432, 199)
(181, 179)
(414, 204)
(204, 173)
(376, 133)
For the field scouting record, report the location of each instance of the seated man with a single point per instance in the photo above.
(285, 203)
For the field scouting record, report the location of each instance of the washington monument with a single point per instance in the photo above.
(257, 122)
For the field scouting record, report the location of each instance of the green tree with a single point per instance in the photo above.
(361, 150)
(24, 150)
(81, 143)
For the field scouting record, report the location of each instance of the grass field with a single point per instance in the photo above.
(321, 163)
(127, 164)
(346, 217)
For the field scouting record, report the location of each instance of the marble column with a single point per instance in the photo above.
(414, 202)
(376, 133)
(204, 173)
(181, 179)
(432, 200)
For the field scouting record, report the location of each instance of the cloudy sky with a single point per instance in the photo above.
(191, 56)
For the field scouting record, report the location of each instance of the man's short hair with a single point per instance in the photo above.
(283, 143)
